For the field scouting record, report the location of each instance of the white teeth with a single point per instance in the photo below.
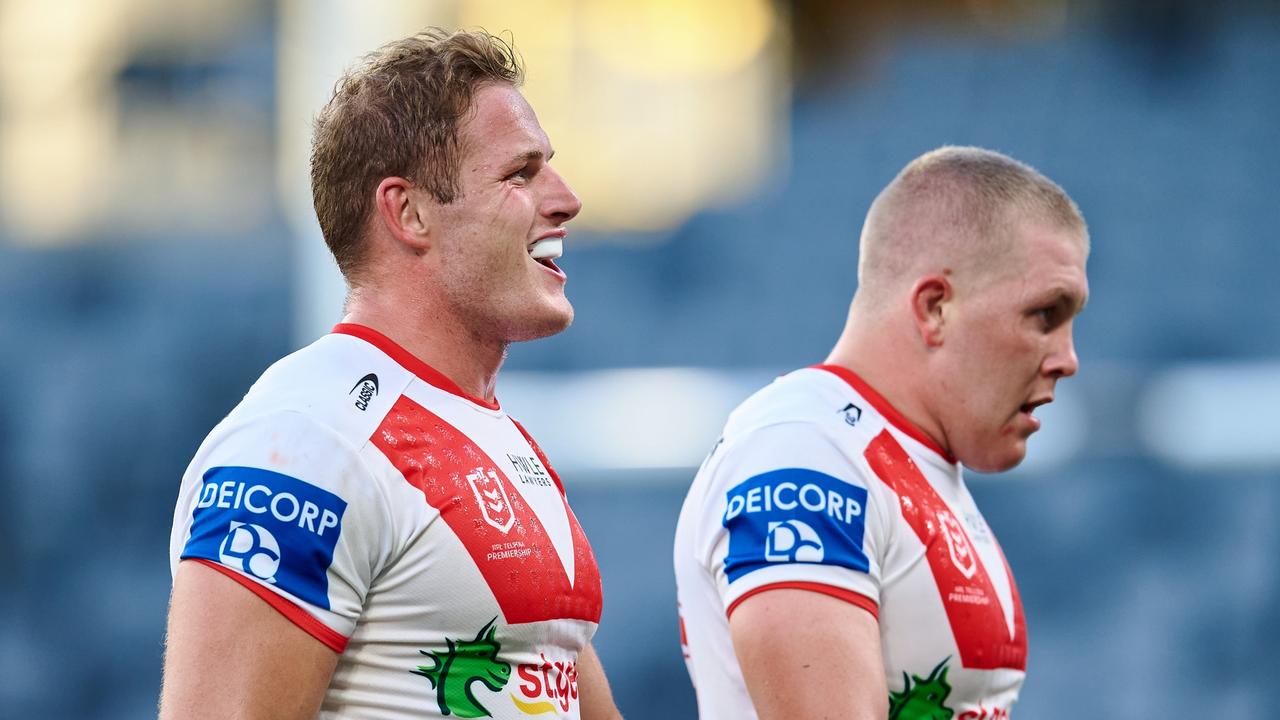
(547, 249)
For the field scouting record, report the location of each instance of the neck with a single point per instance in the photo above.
(435, 336)
(883, 355)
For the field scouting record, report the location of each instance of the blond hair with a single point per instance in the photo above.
(956, 207)
(398, 114)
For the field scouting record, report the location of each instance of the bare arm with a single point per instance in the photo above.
(808, 655)
(229, 654)
(593, 688)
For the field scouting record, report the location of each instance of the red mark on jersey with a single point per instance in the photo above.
(982, 713)
(499, 530)
(546, 684)
(684, 635)
(973, 610)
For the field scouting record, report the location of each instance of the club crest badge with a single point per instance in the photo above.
(962, 555)
(490, 493)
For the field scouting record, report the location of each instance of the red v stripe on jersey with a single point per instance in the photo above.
(973, 609)
(521, 565)
(584, 561)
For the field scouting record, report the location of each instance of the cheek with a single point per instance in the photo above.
(990, 377)
(1011, 354)
(513, 208)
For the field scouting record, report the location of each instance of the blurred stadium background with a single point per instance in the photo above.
(157, 252)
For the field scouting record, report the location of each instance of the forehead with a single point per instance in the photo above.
(1053, 261)
(501, 123)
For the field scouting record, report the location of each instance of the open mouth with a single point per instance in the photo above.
(546, 250)
(1030, 407)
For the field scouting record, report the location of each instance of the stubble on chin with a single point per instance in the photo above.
(520, 324)
(542, 327)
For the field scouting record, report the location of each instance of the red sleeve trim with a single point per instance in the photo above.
(313, 627)
(849, 596)
(409, 362)
(883, 407)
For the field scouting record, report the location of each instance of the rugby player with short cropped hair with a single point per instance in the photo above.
(829, 559)
(368, 534)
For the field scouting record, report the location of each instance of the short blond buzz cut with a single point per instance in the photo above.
(955, 207)
(398, 113)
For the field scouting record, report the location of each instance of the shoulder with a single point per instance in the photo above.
(800, 395)
(800, 412)
(339, 383)
(304, 425)
(807, 431)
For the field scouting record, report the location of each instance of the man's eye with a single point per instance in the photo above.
(521, 175)
(1047, 316)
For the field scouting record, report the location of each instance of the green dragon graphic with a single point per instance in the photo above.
(466, 662)
(923, 700)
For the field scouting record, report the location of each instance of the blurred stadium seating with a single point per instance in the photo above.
(142, 297)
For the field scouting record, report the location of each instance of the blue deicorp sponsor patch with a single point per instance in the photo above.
(795, 515)
(274, 527)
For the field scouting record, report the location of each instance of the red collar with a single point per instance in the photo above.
(406, 359)
(883, 407)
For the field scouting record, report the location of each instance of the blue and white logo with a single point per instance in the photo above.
(273, 527)
(792, 541)
(251, 549)
(794, 515)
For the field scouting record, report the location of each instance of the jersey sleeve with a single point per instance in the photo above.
(787, 507)
(285, 506)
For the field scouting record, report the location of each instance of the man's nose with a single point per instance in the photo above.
(562, 203)
(1063, 361)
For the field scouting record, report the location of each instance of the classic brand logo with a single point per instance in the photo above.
(492, 497)
(368, 386)
(453, 672)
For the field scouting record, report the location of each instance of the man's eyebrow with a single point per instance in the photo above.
(526, 156)
(1071, 297)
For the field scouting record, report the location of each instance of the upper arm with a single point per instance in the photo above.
(277, 533)
(794, 538)
(595, 697)
(289, 508)
(228, 654)
(827, 665)
(791, 505)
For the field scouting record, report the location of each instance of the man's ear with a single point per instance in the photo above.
(929, 298)
(398, 205)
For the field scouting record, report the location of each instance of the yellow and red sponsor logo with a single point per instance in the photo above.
(546, 687)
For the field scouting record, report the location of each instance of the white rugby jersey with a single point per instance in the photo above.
(419, 532)
(819, 484)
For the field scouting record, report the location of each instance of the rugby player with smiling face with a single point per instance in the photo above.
(829, 559)
(434, 189)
